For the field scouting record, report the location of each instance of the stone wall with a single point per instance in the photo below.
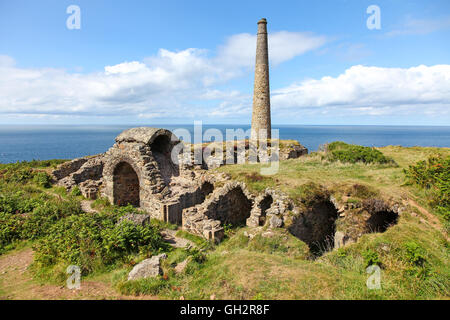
(138, 170)
(230, 204)
(271, 207)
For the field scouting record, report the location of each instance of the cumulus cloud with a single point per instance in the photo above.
(372, 90)
(189, 84)
(154, 87)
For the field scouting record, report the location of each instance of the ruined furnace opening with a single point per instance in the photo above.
(126, 185)
(161, 149)
(316, 227)
(380, 221)
(233, 208)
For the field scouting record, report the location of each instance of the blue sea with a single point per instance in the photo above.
(19, 143)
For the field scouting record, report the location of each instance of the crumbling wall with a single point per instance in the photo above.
(230, 204)
(138, 170)
(272, 207)
(84, 172)
(185, 194)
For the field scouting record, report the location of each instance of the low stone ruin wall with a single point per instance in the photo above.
(230, 204)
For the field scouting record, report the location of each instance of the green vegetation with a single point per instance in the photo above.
(61, 232)
(268, 264)
(433, 175)
(95, 240)
(350, 153)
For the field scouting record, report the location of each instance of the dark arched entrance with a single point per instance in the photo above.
(161, 149)
(126, 185)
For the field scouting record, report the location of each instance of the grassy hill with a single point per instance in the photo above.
(250, 263)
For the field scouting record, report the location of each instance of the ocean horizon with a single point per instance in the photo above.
(44, 142)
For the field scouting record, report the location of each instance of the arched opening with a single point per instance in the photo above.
(126, 185)
(161, 150)
(380, 221)
(316, 227)
(264, 205)
(233, 208)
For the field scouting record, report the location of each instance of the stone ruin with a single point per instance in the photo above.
(138, 170)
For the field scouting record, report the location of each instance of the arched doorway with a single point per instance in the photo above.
(126, 185)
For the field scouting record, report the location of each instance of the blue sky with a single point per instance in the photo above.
(166, 62)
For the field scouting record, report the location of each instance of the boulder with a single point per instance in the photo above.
(149, 268)
(341, 239)
(275, 222)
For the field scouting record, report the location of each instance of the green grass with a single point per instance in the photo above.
(413, 255)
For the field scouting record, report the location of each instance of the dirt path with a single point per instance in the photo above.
(432, 220)
(16, 283)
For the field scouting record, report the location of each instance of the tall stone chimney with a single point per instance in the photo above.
(261, 92)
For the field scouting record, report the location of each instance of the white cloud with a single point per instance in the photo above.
(126, 67)
(161, 85)
(283, 45)
(6, 61)
(372, 91)
(415, 26)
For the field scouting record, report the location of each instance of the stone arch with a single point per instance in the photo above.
(116, 157)
(160, 143)
(231, 207)
(126, 187)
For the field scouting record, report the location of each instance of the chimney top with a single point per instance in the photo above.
(263, 20)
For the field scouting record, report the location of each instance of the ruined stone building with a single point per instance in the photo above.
(139, 170)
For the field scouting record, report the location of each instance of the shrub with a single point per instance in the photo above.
(42, 179)
(415, 254)
(350, 153)
(197, 255)
(10, 225)
(18, 202)
(18, 175)
(371, 258)
(90, 240)
(44, 216)
(433, 175)
(75, 191)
